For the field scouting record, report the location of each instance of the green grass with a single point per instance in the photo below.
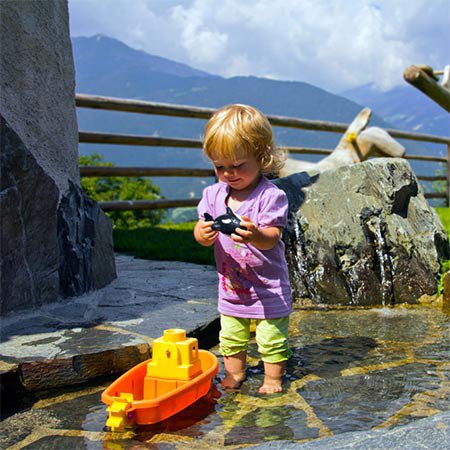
(170, 242)
(444, 214)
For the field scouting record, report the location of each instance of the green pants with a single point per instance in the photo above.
(271, 337)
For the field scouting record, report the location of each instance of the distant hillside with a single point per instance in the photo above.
(105, 66)
(100, 55)
(405, 107)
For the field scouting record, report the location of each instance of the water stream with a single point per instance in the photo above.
(375, 227)
(352, 370)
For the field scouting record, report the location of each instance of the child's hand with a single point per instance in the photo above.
(261, 238)
(204, 234)
(251, 234)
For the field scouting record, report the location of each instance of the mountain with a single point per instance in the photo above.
(405, 107)
(98, 55)
(107, 67)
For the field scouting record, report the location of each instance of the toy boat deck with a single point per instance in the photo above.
(176, 376)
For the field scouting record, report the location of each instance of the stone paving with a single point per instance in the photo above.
(109, 330)
(430, 433)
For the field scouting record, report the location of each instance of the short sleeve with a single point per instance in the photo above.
(205, 204)
(273, 209)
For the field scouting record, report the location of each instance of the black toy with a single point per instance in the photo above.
(226, 223)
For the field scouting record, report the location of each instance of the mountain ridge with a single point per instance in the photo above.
(116, 51)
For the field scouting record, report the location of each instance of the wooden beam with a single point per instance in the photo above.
(435, 195)
(442, 159)
(422, 81)
(431, 177)
(129, 139)
(141, 106)
(165, 109)
(448, 176)
(150, 141)
(107, 171)
(308, 150)
(129, 205)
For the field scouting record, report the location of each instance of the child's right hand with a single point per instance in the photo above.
(204, 234)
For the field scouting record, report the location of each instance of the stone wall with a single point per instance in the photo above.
(55, 242)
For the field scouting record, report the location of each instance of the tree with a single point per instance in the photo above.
(440, 185)
(122, 188)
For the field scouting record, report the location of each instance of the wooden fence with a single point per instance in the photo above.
(145, 107)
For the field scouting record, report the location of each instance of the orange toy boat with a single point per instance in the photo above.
(177, 375)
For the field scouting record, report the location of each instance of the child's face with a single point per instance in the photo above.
(244, 173)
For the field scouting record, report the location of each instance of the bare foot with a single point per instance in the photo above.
(234, 371)
(231, 382)
(271, 385)
(273, 378)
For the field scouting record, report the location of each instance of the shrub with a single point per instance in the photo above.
(103, 189)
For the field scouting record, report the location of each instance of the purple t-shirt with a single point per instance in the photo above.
(253, 283)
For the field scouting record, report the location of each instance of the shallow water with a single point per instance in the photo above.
(352, 370)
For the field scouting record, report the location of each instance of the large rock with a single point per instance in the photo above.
(55, 242)
(362, 234)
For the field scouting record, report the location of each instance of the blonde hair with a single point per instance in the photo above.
(243, 128)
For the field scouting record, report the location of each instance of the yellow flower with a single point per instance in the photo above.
(351, 137)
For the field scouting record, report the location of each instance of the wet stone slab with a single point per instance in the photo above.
(361, 402)
(430, 433)
(329, 357)
(109, 330)
(73, 356)
(61, 442)
(271, 423)
(400, 325)
(64, 343)
(189, 315)
(85, 413)
(16, 428)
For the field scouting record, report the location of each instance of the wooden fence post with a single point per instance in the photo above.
(448, 176)
(421, 80)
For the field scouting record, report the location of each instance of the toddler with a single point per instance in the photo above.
(251, 266)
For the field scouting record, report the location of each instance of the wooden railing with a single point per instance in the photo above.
(146, 107)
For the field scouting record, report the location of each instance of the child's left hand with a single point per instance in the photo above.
(249, 235)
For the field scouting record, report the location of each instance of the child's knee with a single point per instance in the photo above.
(234, 335)
(272, 340)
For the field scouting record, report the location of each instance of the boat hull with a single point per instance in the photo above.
(148, 411)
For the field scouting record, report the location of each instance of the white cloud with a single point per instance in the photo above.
(335, 44)
(203, 45)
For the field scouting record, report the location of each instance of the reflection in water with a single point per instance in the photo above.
(361, 402)
(191, 423)
(271, 423)
(352, 370)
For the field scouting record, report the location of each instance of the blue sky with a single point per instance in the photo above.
(334, 44)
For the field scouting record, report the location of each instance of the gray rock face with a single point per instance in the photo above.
(29, 250)
(54, 241)
(85, 245)
(38, 83)
(362, 235)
